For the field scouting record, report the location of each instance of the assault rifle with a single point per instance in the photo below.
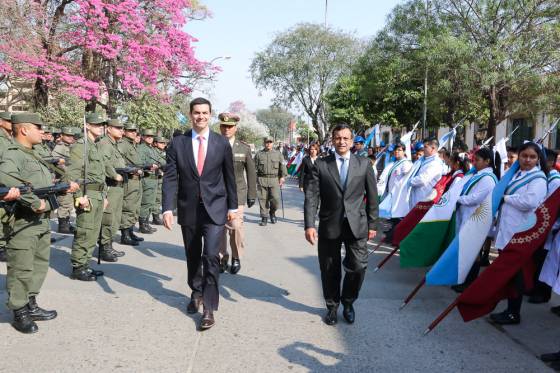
(125, 172)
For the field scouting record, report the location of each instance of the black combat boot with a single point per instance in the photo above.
(263, 222)
(65, 227)
(116, 253)
(37, 313)
(126, 239)
(3, 255)
(106, 253)
(23, 321)
(82, 274)
(156, 219)
(272, 217)
(144, 226)
(133, 236)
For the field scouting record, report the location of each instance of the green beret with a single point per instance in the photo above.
(114, 123)
(160, 139)
(6, 115)
(68, 131)
(228, 119)
(33, 118)
(130, 127)
(94, 118)
(148, 132)
(267, 139)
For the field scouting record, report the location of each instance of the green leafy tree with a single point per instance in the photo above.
(301, 64)
(149, 112)
(305, 132)
(276, 119)
(64, 110)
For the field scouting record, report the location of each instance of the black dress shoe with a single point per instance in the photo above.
(548, 358)
(272, 218)
(133, 236)
(505, 318)
(82, 274)
(194, 305)
(224, 263)
(263, 222)
(207, 320)
(23, 321)
(349, 314)
(538, 299)
(555, 310)
(235, 266)
(37, 313)
(331, 318)
(459, 288)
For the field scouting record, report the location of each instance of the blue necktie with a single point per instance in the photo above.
(343, 172)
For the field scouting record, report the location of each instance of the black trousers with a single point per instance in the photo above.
(514, 304)
(203, 261)
(355, 264)
(540, 288)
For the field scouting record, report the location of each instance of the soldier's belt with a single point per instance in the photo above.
(96, 187)
(269, 176)
(134, 177)
(114, 183)
(151, 177)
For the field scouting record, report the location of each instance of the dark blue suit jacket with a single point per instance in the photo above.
(216, 186)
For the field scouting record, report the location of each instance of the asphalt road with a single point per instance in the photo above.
(134, 319)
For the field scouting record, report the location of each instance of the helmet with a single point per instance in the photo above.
(359, 139)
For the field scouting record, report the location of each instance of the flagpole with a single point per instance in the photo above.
(386, 259)
(375, 248)
(511, 134)
(413, 293)
(442, 316)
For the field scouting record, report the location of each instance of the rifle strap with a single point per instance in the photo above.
(51, 167)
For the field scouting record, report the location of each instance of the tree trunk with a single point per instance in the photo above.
(40, 94)
(493, 119)
(315, 123)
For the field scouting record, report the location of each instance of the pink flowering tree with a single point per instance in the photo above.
(102, 51)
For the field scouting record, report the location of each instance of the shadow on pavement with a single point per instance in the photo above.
(304, 354)
(252, 288)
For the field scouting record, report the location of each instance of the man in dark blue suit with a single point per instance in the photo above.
(200, 173)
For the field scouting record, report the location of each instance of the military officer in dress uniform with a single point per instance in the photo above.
(28, 247)
(132, 188)
(65, 201)
(89, 201)
(160, 143)
(245, 180)
(148, 155)
(112, 215)
(5, 141)
(271, 172)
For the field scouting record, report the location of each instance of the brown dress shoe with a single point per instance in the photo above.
(194, 305)
(207, 320)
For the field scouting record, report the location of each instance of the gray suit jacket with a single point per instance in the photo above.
(358, 200)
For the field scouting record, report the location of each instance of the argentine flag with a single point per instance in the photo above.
(456, 262)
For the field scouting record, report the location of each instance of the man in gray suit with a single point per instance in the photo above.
(344, 186)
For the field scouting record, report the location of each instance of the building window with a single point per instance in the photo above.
(526, 131)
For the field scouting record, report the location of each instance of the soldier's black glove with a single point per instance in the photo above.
(250, 203)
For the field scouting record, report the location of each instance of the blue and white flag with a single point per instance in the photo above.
(449, 137)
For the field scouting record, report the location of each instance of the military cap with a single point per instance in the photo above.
(228, 119)
(130, 127)
(94, 118)
(114, 123)
(6, 115)
(33, 118)
(148, 132)
(68, 131)
(46, 129)
(160, 139)
(55, 131)
(268, 139)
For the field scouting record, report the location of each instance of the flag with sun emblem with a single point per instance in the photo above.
(456, 262)
(495, 283)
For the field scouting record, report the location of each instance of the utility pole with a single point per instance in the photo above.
(326, 7)
(425, 111)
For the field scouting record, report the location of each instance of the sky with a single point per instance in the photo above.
(241, 28)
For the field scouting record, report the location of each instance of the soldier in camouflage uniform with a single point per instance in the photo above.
(160, 143)
(90, 202)
(271, 172)
(65, 201)
(148, 157)
(132, 189)
(115, 192)
(28, 245)
(5, 141)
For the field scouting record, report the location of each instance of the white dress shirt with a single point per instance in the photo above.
(468, 203)
(196, 143)
(346, 159)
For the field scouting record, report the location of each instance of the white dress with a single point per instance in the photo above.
(518, 206)
(425, 179)
(469, 200)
